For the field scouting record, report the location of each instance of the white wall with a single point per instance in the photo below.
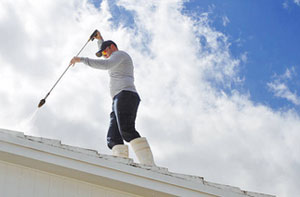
(19, 181)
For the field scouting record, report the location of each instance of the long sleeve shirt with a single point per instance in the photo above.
(120, 70)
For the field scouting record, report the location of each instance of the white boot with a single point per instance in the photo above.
(120, 150)
(142, 150)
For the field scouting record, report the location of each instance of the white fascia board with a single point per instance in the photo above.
(107, 170)
(90, 169)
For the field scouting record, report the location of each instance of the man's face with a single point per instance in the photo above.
(107, 52)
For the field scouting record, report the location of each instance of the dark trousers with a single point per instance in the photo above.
(122, 118)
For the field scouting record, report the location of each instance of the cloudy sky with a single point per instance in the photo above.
(219, 82)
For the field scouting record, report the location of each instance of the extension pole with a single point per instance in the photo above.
(43, 101)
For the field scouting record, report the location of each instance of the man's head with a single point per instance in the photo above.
(107, 48)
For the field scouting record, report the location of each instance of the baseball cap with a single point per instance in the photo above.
(104, 45)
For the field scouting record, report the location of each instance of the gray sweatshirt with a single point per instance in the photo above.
(120, 70)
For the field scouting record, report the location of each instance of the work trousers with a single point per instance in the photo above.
(122, 118)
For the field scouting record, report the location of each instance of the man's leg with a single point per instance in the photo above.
(114, 139)
(113, 135)
(125, 107)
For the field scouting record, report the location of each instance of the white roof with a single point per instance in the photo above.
(118, 173)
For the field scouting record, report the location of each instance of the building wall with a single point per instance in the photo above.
(19, 181)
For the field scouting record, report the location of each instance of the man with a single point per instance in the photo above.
(125, 100)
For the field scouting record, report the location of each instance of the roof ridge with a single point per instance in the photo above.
(58, 144)
(128, 161)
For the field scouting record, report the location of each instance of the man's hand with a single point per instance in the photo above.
(74, 60)
(98, 36)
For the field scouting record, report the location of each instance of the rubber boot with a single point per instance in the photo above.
(120, 150)
(142, 150)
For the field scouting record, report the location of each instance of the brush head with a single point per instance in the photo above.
(42, 102)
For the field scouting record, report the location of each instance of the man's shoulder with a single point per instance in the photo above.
(122, 54)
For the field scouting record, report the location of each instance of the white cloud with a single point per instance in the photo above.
(193, 127)
(282, 91)
(225, 20)
(285, 5)
(280, 88)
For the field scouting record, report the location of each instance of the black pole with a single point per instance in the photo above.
(43, 101)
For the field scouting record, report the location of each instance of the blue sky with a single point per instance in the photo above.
(268, 33)
(264, 34)
(219, 82)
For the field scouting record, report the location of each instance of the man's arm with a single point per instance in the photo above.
(100, 40)
(104, 64)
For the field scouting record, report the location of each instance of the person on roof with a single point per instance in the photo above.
(125, 100)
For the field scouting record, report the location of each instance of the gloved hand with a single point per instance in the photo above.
(96, 34)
